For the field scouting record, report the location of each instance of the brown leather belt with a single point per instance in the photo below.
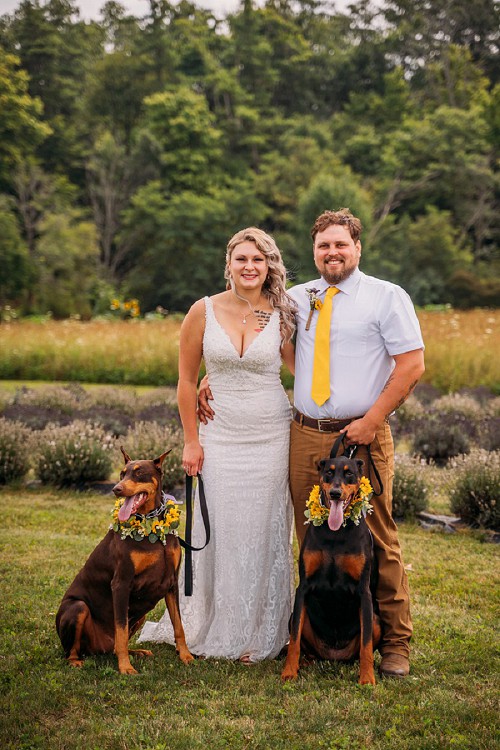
(323, 425)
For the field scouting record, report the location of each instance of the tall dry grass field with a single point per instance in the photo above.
(462, 349)
(138, 352)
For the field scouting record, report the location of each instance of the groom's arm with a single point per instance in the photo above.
(205, 411)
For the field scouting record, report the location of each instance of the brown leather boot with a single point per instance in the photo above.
(394, 665)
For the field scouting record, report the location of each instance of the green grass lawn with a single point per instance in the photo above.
(450, 699)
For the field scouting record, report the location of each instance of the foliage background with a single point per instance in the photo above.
(132, 148)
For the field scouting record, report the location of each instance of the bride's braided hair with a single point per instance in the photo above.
(274, 287)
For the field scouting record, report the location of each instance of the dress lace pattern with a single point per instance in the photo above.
(243, 580)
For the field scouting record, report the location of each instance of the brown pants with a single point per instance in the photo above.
(307, 447)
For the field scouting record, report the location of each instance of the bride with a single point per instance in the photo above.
(242, 581)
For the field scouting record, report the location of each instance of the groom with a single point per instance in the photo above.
(365, 362)
(348, 380)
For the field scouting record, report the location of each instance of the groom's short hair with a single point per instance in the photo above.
(342, 217)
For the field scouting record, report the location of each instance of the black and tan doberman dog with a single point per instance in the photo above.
(333, 616)
(123, 579)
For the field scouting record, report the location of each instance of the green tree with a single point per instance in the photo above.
(109, 178)
(57, 50)
(184, 129)
(421, 255)
(115, 93)
(441, 159)
(67, 265)
(180, 241)
(16, 274)
(21, 128)
(419, 30)
(301, 149)
(328, 191)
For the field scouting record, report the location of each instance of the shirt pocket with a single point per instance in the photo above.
(351, 339)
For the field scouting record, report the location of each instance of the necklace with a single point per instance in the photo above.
(251, 311)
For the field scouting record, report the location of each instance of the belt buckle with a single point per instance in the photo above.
(320, 424)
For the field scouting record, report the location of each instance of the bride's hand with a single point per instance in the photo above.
(192, 458)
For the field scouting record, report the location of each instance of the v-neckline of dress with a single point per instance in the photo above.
(259, 335)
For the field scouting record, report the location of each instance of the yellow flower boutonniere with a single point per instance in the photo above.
(314, 304)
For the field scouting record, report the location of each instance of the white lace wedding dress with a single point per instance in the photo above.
(243, 580)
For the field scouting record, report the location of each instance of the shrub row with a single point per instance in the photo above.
(440, 428)
(78, 453)
(81, 452)
(474, 488)
(77, 446)
(116, 409)
(475, 496)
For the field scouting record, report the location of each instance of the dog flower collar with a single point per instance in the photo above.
(317, 513)
(149, 527)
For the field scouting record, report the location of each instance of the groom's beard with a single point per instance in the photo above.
(336, 276)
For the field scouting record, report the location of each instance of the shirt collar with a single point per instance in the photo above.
(347, 286)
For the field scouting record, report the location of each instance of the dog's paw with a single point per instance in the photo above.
(75, 663)
(140, 652)
(367, 680)
(288, 674)
(127, 669)
(186, 657)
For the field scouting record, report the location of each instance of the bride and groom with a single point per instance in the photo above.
(254, 449)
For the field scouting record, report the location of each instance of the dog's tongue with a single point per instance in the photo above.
(129, 506)
(336, 516)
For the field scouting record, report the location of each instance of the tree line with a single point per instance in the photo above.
(132, 148)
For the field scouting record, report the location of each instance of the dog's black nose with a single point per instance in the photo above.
(335, 492)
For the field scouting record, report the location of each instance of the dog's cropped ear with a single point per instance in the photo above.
(158, 461)
(125, 455)
(360, 465)
(321, 464)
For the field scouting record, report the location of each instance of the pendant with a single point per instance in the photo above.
(244, 320)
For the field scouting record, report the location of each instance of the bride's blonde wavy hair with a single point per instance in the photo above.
(274, 287)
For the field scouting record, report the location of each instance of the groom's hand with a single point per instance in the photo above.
(360, 432)
(205, 411)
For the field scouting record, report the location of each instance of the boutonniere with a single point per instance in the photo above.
(314, 304)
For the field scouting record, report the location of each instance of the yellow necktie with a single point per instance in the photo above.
(320, 389)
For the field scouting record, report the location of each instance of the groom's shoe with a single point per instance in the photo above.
(394, 665)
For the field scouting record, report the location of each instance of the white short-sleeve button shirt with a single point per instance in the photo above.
(372, 320)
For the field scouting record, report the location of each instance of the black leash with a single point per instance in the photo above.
(350, 451)
(189, 549)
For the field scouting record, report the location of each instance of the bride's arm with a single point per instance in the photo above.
(190, 354)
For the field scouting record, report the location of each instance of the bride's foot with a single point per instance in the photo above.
(245, 659)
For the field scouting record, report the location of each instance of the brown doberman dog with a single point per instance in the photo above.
(124, 578)
(333, 615)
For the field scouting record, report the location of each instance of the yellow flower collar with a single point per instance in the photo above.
(154, 529)
(316, 513)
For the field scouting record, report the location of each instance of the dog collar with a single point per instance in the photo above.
(317, 513)
(149, 527)
(156, 512)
